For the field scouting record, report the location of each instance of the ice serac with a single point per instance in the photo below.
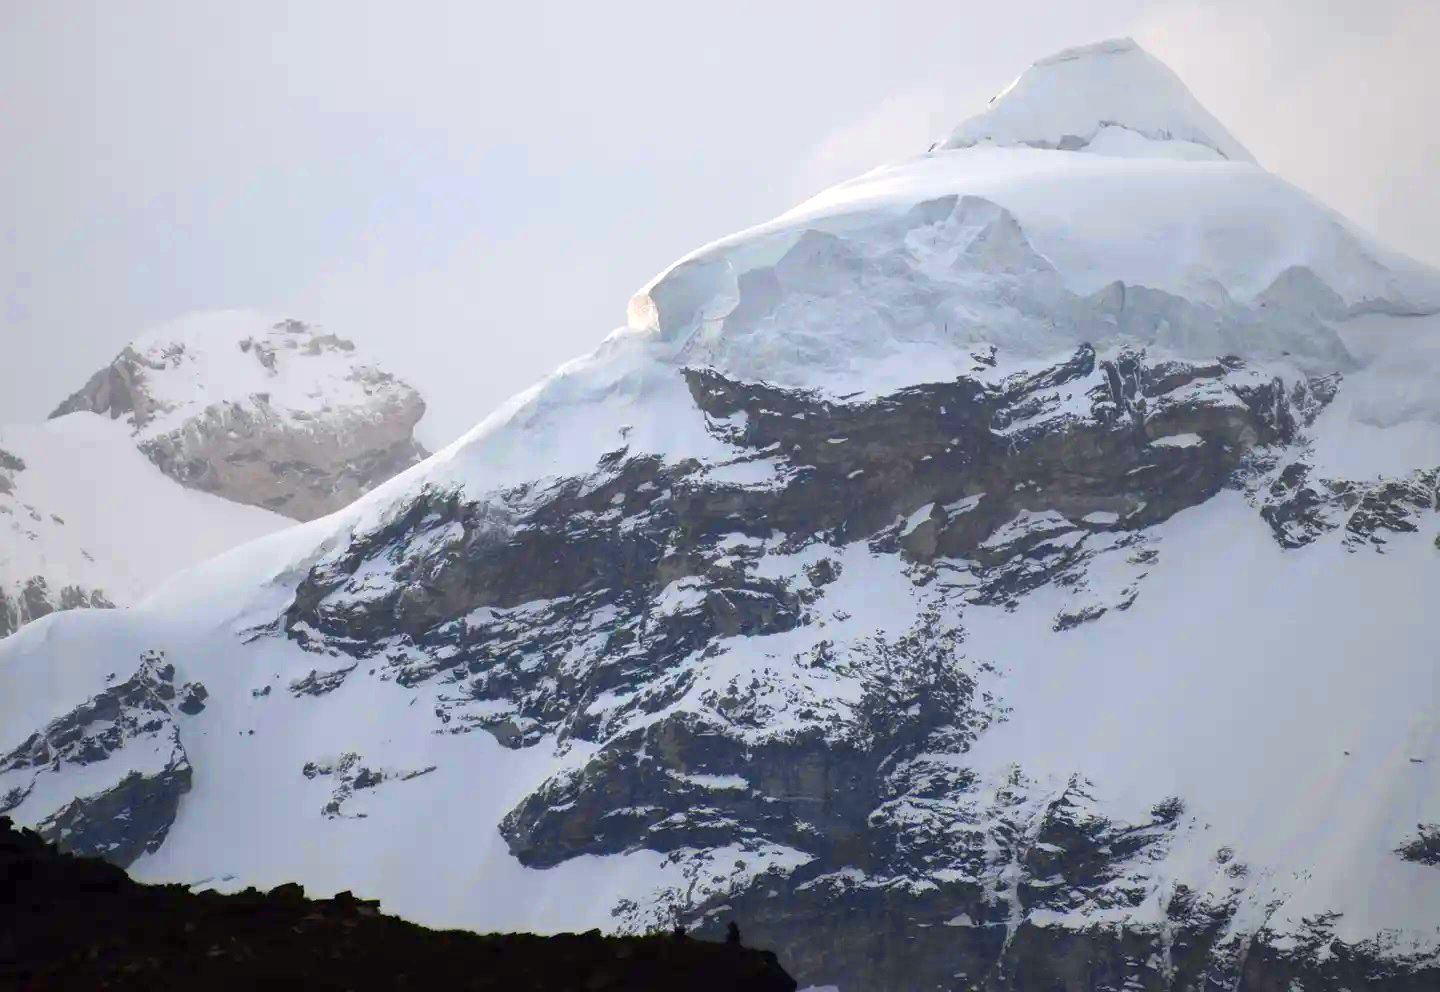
(1009, 570)
(1101, 97)
(274, 413)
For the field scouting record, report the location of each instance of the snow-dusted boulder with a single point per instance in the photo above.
(273, 413)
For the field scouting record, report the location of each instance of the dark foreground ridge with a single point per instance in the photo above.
(69, 922)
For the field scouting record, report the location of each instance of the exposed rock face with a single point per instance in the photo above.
(33, 600)
(128, 741)
(85, 925)
(1300, 508)
(598, 610)
(1022, 481)
(350, 776)
(274, 414)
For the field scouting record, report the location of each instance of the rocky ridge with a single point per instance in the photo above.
(126, 740)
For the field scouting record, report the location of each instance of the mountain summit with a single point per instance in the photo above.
(1111, 97)
(271, 412)
(1011, 569)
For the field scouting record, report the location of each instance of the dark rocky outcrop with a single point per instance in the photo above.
(1301, 508)
(350, 775)
(1424, 847)
(130, 732)
(824, 793)
(34, 599)
(81, 923)
(1086, 439)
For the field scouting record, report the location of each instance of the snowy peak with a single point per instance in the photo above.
(1111, 98)
(274, 413)
(163, 377)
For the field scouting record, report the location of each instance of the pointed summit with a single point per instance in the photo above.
(1101, 97)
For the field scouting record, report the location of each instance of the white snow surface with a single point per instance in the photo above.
(1207, 231)
(1071, 97)
(89, 509)
(1383, 423)
(1282, 694)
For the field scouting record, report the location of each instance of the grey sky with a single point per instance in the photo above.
(473, 190)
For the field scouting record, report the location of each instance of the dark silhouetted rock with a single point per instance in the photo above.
(83, 924)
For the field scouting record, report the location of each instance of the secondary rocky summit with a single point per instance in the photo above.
(279, 414)
(1011, 569)
(255, 417)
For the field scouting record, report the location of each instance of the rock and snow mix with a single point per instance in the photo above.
(1010, 567)
(274, 413)
(233, 408)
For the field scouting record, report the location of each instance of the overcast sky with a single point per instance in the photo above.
(473, 190)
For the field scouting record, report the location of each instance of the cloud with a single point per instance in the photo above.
(1336, 97)
(903, 124)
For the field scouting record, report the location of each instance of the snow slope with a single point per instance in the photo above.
(88, 510)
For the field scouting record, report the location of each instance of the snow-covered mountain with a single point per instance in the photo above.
(1011, 569)
(273, 413)
(245, 408)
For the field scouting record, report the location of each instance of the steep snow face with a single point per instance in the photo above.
(1010, 566)
(1102, 98)
(87, 521)
(275, 413)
